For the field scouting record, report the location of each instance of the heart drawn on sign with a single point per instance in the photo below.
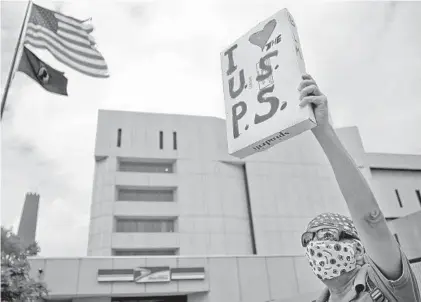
(260, 38)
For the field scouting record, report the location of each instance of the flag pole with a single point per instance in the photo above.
(17, 54)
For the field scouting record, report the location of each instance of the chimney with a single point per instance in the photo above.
(28, 219)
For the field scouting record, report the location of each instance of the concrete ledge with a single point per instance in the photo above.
(394, 161)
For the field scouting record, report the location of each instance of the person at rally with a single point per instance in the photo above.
(358, 259)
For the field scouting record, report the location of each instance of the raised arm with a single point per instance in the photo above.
(372, 227)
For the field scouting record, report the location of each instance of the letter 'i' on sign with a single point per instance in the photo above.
(231, 68)
(264, 110)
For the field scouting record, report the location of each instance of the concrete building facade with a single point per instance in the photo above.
(225, 279)
(173, 172)
(168, 201)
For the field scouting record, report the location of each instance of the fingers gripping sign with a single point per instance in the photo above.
(308, 87)
(310, 94)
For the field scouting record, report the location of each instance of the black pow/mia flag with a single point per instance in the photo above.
(52, 80)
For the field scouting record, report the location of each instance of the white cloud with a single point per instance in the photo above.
(164, 57)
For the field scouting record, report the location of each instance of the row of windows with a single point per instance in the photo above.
(145, 252)
(161, 139)
(145, 225)
(398, 197)
(168, 194)
(126, 165)
(163, 195)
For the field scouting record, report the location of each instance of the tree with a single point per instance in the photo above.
(16, 284)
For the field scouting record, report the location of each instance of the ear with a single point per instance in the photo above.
(359, 252)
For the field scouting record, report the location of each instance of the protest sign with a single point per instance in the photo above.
(261, 72)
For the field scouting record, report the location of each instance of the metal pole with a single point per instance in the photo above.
(15, 61)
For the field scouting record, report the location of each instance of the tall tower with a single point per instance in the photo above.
(28, 219)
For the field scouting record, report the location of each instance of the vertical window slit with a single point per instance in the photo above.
(399, 198)
(161, 140)
(174, 136)
(119, 137)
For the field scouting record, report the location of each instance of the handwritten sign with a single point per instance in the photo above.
(261, 72)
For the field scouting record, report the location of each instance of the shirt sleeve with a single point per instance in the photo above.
(405, 288)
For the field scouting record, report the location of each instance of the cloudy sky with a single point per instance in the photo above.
(366, 57)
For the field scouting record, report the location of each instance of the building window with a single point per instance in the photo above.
(145, 167)
(126, 194)
(119, 138)
(143, 252)
(417, 192)
(145, 225)
(399, 198)
(391, 218)
(397, 238)
(161, 140)
(174, 138)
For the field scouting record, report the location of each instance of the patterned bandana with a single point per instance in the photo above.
(338, 221)
(330, 259)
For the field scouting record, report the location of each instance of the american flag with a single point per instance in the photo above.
(67, 39)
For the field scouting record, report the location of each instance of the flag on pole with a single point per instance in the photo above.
(67, 39)
(52, 80)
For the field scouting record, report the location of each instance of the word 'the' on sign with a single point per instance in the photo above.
(261, 72)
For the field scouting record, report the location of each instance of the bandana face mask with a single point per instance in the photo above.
(330, 259)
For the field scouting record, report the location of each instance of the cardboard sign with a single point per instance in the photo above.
(261, 72)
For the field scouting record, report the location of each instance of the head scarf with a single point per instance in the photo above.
(341, 222)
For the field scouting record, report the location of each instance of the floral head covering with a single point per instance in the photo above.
(338, 221)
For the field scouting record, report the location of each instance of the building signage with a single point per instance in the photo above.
(151, 274)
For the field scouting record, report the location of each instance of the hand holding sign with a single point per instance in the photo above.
(310, 95)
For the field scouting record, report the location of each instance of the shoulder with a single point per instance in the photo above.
(405, 288)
